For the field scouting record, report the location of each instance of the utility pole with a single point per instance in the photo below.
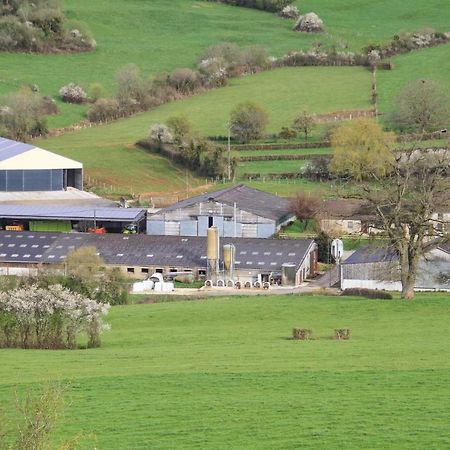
(229, 151)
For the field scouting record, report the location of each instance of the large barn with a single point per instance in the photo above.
(238, 211)
(25, 168)
(140, 255)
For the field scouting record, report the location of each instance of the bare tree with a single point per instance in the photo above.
(422, 106)
(305, 207)
(406, 203)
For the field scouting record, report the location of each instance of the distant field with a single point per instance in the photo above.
(432, 63)
(148, 34)
(108, 154)
(301, 151)
(223, 373)
(264, 167)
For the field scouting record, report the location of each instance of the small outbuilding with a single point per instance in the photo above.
(378, 268)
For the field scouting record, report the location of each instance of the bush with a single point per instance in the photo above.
(72, 93)
(310, 23)
(367, 293)
(40, 26)
(180, 127)
(213, 72)
(287, 133)
(17, 36)
(21, 115)
(289, 12)
(48, 105)
(50, 318)
(160, 134)
(248, 121)
(103, 110)
(185, 81)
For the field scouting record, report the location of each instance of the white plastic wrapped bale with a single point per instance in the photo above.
(142, 286)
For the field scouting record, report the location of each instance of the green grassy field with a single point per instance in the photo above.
(265, 167)
(108, 154)
(148, 34)
(224, 373)
(431, 63)
(301, 151)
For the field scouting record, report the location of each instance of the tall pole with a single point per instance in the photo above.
(229, 151)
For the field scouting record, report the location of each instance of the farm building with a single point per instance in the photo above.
(238, 211)
(378, 268)
(341, 217)
(67, 218)
(140, 255)
(25, 167)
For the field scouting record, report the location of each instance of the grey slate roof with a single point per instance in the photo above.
(70, 213)
(248, 199)
(371, 254)
(9, 148)
(146, 250)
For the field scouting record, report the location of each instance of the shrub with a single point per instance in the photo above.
(48, 105)
(50, 318)
(96, 91)
(78, 35)
(131, 93)
(310, 23)
(367, 293)
(248, 121)
(185, 81)
(213, 72)
(103, 110)
(16, 36)
(254, 58)
(289, 12)
(160, 134)
(72, 93)
(180, 127)
(287, 133)
(318, 169)
(21, 115)
(228, 53)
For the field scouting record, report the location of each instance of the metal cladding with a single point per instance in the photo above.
(288, 272)
(213, 244)
(229, 252)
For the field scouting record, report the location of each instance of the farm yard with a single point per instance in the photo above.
(224, 373)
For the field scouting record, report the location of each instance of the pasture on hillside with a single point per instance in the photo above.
(160, 36)
(224, 373)
(108, 151)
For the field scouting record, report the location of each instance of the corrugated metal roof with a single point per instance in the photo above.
(248, 199)
(9, 148)
(70, 213)
(371, 254)
(146, 250)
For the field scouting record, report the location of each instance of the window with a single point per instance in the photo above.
(173, 270)
(130, 269)
(158, 271)
(350, 224)
(144, 269)
(210, 221)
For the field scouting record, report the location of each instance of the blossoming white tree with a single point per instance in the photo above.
(49, 318)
